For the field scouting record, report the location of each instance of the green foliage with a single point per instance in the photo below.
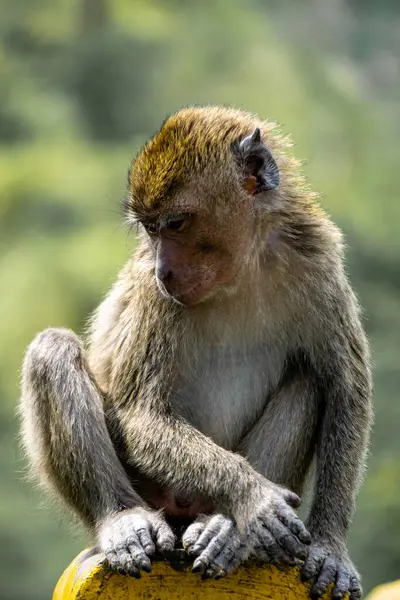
(83, 84)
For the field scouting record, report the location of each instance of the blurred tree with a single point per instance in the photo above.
(109, 76)
(82, 86)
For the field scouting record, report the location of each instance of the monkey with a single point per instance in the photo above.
(227, 360)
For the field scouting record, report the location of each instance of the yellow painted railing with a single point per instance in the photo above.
(87, 578)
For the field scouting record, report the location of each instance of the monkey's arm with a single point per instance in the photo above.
(341, 449)
(170, 450)
(280, 446)
(67, 440)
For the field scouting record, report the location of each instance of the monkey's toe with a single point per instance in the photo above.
(325, 566)
(131, 537)
(165, 538)
(217, 544)
(192, 534)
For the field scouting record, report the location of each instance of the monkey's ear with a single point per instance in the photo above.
(261, 172)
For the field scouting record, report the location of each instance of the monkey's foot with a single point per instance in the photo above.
(326, 565)
(129, 538)
(216, 544)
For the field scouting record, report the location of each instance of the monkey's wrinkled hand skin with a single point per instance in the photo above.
(129, 538)
(275, 532)
(216, 543)
(325, 565)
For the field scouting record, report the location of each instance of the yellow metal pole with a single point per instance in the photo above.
(387, 591)
(87, 578)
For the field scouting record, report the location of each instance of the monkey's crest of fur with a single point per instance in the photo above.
(196, 137)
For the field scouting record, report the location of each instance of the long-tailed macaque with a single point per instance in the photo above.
(227, 356)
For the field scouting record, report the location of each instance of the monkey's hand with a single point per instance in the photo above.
(272, 529)
(330, 563)
(130, 537)
(217, 545)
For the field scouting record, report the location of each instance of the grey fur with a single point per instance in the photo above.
(227, 401)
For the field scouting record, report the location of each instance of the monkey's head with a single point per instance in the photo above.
(202, 188)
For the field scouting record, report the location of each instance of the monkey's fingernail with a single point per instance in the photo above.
(146, 566)
(208, 574)
(198, 566)
(221, 573)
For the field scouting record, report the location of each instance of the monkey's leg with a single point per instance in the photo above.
(66, 437)
(339, 435)
(280, 446)
(341, 447)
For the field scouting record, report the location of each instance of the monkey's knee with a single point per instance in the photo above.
(49, 353)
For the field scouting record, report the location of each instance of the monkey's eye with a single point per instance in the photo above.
(178, 224)
(151, 228)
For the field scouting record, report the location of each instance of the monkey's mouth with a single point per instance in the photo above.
(189, 297)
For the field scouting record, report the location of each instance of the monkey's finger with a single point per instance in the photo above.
(227, 560)
(143, 533)
(191, 535)
(355, 588)
(165, 539)
(214, 541)
(207, 556)
(239, 554)
(292, 499)
(231, 549)
(112, 559)
(216, 571)
(324, 578)
(296, 525)
(273, 549)
(214, 537)
(286, 539)
(126, 562)
(312, 565)
(260, 553)
(139, 556)
(342, 583)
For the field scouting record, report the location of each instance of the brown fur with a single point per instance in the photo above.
(223, 375)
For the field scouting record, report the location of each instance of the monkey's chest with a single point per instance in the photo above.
(225, 391)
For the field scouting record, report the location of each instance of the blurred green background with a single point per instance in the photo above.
(83, 83)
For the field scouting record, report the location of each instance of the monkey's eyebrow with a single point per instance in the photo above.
(174, 216)
(144, 219)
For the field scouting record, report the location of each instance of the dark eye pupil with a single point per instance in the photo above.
(176, 224)
(151, 228)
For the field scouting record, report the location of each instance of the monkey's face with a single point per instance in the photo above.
(197, 255)
(195, 188)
